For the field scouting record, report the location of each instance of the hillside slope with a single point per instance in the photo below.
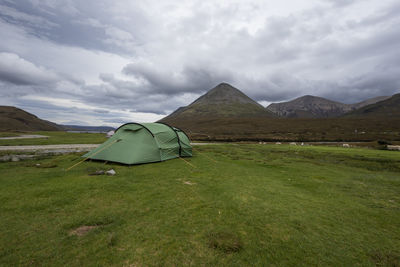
(15, 119)
(369, 101)
(386, 108)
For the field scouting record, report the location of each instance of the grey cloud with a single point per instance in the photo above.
(68, 23)
(383, 82)
(53, 7)
(10, 91)
(189, 79)
(42, 106)
(102, 111)
(16, 70)
(341, 3)
(385, 42)
(13, 15)
(115, 121)
(127, 95)
(20, 77)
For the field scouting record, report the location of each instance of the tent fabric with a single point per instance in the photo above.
(134, 143)
(186, 148)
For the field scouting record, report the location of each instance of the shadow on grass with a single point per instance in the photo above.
(225, 242)
(385, 259)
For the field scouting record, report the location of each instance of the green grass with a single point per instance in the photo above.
(56, 137)
(254, 128)
(8, 134)
(258, 205)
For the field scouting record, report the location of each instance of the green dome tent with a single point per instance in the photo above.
(134, 143)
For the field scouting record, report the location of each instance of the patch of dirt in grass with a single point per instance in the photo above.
(385, 259)
(83, 230)
(189, 183)
(127, 263)
(225, 242)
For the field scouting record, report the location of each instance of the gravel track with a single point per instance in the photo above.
(49, 147)
(81, 147)
(24, 136)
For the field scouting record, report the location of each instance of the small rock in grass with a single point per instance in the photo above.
(110, 172)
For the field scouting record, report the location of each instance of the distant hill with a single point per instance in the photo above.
(389, 107)
(369, 102)
(309, 107)
(223, 100)
(317, 107)
(81, 128)
(15, 119)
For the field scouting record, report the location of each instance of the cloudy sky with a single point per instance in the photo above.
(105, 62)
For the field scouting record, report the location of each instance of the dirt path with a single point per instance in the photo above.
(24, 136)
(50, 147)
(72, 147)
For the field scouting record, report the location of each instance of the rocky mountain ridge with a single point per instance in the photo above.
(317, 107)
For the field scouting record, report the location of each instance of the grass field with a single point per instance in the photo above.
(54, 137)
(257, 205)
(8, 134)
(289, 129)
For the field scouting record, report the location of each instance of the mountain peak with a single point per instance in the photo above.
(314, 99)
(224, 100)
(224, 93)
(224, 84)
